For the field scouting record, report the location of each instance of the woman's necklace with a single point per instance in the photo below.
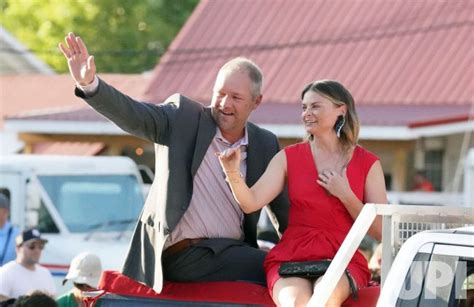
(335, 162)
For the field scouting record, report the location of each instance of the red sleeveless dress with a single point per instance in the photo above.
(318, 222)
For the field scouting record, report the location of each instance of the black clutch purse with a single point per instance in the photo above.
(312, 269)
(309, 269)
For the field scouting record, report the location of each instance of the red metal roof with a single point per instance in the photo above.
(388, 53)
(407, 63)
(23, 96)
(68, 148)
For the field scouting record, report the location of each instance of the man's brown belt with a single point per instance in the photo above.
(180, 246)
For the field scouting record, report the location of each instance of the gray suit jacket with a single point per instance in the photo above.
(182, 130)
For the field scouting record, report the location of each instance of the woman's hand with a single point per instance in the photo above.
(336, 184)
(230, 159)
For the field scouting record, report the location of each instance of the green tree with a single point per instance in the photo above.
(126, 36)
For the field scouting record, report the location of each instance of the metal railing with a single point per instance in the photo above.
(427, 198)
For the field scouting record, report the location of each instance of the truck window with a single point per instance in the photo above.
(437, 280)
(45, 221)
(411, 290)
(467, 286)
(104, 202)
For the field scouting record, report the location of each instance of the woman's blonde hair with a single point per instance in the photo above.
(339, 95)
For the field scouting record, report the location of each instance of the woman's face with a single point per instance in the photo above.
(319, 114)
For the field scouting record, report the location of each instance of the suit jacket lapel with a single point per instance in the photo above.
(253, 160)
(206, 131)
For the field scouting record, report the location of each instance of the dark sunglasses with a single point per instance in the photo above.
(35, 245)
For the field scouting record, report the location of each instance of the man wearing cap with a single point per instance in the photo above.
(25, 275)
(84, 273)
(8, 232)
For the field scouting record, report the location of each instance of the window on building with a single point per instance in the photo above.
(434, 167)
(388, 181)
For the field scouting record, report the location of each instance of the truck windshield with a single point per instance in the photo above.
(103, 203)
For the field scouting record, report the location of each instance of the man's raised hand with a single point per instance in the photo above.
(81, 64)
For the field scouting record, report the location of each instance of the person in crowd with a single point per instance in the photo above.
(375, 264)
(367, 247)
(191, 228)
(329, 179)
(8, 232)
(35, 299)
(421, 182)
(25, 274)
(84, 273)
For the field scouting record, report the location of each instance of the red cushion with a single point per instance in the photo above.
(218, 292)
(367, 297)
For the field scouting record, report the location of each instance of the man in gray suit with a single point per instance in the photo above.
(191, 228)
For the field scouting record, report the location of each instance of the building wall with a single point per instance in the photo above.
(455, 154)
(399, 159)
(396, 159)
(453, 149)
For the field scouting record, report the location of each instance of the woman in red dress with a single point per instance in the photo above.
(329, 179)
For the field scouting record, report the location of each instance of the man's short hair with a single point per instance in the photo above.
(4, 201)
(254, 72)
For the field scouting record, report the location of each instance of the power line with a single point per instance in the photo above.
(209, 53)
(112, 53)
(376, 34)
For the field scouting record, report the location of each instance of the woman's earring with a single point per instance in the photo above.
(341, 120)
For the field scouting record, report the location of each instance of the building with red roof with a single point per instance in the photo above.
(50, 119)
(408, 64)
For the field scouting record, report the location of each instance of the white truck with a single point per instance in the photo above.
(78, 203)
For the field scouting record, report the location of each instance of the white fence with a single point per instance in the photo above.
(427, 198)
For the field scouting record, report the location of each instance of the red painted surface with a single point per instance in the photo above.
(218, 292)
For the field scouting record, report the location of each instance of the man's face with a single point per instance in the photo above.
(232, 102)
(29, 252)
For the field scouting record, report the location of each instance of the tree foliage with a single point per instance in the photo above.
(125, 36)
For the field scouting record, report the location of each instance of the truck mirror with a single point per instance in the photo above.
(31, 218)
(33, 203)
(33, 196)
